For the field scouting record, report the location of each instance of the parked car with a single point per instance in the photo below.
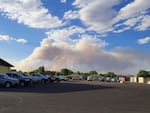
(24, 81)
(42, 78)
(8, 82)
(62, 78)
(108, 79)
(101, 79)
(34, 79)
(89, 78)
(53, 78)
(115, 79)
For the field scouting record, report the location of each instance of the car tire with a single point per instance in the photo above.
(31, 82)
(22, 83)
(57, 80)
(43, 81)
(8, 84)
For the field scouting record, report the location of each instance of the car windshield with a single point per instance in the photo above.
(21, 75)
(18, 75)
(24, 74)
(4, 76)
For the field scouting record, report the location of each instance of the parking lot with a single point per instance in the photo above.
(76, 97)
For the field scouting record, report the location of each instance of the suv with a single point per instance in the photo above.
(33, 79)
(42, 78)
(63, 78)
(22, 79)
(7, 81)
(53, 78)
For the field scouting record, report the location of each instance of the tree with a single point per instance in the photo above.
(41, 70)
(79, 73)
(57, 73)
(101, 74)
(66, 71)
(110, 74)
(93, 72)
(85, 75)
(143, 73)
(50, 72)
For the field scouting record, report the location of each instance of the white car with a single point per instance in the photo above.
(63, 78)
(41, 77)
(89, 78)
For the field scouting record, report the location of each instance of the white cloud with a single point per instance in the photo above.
(73, 47)
(63, 1)
(60, 50)
(29, 12)
(121, 30)
(144, 40)
(134, 15)
(81, 3)
(145, 24)
(132, 21)
(21, 40)
(102, 17)
(8, 38)
(137, 7)
(63, 37)
(5, 38)
(84, 53)
(71, 15)
(97, 15)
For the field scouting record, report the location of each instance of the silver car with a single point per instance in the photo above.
(7, 81)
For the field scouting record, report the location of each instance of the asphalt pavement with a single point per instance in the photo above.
(76, 97)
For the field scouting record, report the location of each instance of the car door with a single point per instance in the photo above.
(15, 76)
(1, 79)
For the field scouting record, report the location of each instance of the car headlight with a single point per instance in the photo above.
(27, 80)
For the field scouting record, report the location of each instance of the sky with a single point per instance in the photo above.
(81, 35)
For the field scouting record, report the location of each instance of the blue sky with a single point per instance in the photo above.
(81, 35)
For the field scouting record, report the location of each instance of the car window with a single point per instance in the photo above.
(15, 76)
(1, 76)
(8, 74)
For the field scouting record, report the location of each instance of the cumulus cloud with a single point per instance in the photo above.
(132, 9)
(138, 58)
(29, 12)
(75, 48)
(86, 56)
(56, 52)
(84, 53)
(21, 40)
(63, 1)
(71, 15)
(8, 38)
(144, 40)
(134, 15)
(103, 17)
(145, 24)
(5, 37)
(97, 15)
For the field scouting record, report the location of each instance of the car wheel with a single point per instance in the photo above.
(7, 84)
(57, 81)
(43, 81)
(31, 82)
(22, 83)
